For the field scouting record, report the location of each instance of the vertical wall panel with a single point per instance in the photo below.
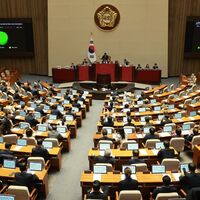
(37, 10)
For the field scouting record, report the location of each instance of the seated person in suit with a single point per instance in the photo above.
(126, 62)
(147, 66)
(152, 134)
(128, 183)
(97, 192)
(155, 66)
(107, 158)
(40, 151)
(29, 118)
(105, 58)
(5, 125)
(54, 133)
(85, 62)
(139, 66)
(39, 108)
(23, 178)
(166, 152)
(129, 122)
(105, 136)
(165, 120)
(109, 122)
(7, 150)
(135, 159)
(194, 133)
(28, 133)
(56, 112)
(166, 188)
(190, 179)
(178, 133)
(147, 122)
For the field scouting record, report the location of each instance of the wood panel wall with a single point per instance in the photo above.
(178, 10)
(37, 10)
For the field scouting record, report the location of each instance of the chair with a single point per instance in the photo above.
(195, 141)
(173, 125)
(130, 195)
(171, 164)
(106, 142)
(30, 95)
(110, 130)
(186, 102)
(5, 96)
(22, 192)
(10, 99)
(182, 93)
(197, 98)
(177, 143)
(109, 166)
(125, 143)
(151, 143)
(10, 139)
(54, 141)
(167, 196)
(171, 87)
(36, 160)
(165, 90)
(31, 141)
(141, 167)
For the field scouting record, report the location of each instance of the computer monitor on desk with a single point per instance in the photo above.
(100, 169)
(158, 169)
(7, 197)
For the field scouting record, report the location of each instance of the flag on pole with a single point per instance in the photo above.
(91, 51)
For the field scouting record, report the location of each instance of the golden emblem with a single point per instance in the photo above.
(107, 17)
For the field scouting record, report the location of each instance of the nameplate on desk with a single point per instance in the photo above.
(137, 113)
(18, 117)
(180, 120)
(164, 134)
(143, 123)
(176, 176)
(142, 152)
(157, 122)
(191, 118)
(173, 110)
(156, 111)
(97, 177)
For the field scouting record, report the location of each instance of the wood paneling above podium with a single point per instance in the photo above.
(37, 10)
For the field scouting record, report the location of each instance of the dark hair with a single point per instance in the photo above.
(178, 131)
(54, 106)
(109, 119)
(29, 132)
(195, 131)
(135, 153)
(127, 171)
(22, 167)
(166, 180)
(192, 167)
(104, 132)
(166, 144)
(7, 145)
(96, 185)
(147, 119)
(129, 119)
(128, 113)
(39, 142)
(152, 130)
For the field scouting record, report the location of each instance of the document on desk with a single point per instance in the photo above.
(157, 122)
(101, 153)
(97, 177)
(155, 151)
(176, 176)
(17, 148)
(143, 151)
(180, 120)
(15, 129)
(139, 136)
(164, 134)
(191, 118)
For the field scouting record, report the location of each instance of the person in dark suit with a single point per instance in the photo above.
(39, 108)
(135, 159)
(7, 150)
(105, 58)
(166, 152)
(6, 125)
(155, 66)
(29, 118)
(129, 122)
(178, 133)
(166, 188)
(147, 122)
(190, 180)
(56, 112)
(194, 133)
(23, 178)
(40, 151)
(151, 134)
(128, 183)
(97, 192)
(105, 136)
(165, 120)
(109, 122)
(107, 158)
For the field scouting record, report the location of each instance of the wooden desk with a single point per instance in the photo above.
(151, 91)
(164, 95)
(4, 102)
(196, 155)
(123, 156)
(145, 180)
(195, 106)
(9, 174)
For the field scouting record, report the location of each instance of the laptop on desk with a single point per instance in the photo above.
(9, 164)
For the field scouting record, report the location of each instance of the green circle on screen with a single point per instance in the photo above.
(3, 38)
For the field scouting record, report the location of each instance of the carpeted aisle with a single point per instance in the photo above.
(65, 184)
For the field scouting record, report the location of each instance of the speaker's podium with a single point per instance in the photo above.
(103, 80)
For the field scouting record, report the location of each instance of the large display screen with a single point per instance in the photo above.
(192, 37)
(16, 37)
